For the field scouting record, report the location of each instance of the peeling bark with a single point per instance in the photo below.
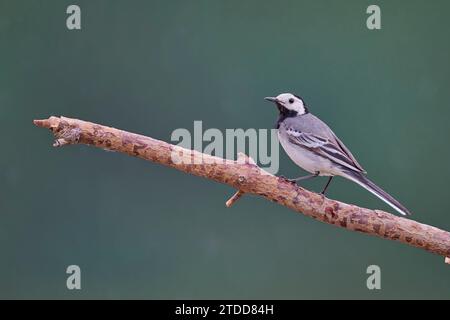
(245, 176)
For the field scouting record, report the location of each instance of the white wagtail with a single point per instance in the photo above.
(313, 146)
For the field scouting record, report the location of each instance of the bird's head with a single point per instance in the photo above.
(289, 103)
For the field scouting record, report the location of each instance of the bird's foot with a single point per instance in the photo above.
(293, 181)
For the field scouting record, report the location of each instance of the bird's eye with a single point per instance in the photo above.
(291, 100)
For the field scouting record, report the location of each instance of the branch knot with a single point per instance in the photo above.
(66, 134)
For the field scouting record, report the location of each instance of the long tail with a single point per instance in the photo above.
(361, 179)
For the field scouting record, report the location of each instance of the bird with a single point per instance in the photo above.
(313, 146)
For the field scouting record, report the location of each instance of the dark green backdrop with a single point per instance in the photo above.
(140, 230)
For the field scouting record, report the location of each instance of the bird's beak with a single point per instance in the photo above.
(271, 99)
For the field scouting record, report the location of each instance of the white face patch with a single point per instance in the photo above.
(291, 102)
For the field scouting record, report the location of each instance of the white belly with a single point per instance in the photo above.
(307, 160)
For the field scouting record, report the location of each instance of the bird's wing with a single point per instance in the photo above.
(348, 153)
(324, 147)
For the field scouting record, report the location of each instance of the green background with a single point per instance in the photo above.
(140, 230)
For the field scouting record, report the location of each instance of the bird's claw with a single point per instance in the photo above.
(293, 181)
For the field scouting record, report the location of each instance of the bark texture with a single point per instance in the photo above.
(244, 175)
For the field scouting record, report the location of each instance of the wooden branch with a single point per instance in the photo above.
(244, 175)
(234, 198)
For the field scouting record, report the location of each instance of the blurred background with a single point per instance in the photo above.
(153, 66)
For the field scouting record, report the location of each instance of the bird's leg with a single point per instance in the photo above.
(301, 178)
(326, 186)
